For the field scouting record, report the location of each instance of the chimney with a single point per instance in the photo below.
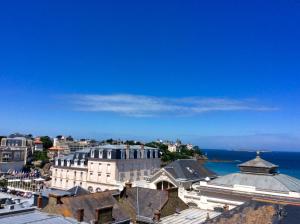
(226, 207)
(80, 214)
(207, 217)
(128, 185)
(40, 201)
(157, 215)
(104, 215)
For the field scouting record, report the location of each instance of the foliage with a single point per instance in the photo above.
(40, 156)
(183, 153)
(47, 142)
(3, 183)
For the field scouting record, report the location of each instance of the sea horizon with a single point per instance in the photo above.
(224, 161)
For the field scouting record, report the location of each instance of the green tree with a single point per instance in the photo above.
(37, 155)
(47, 142)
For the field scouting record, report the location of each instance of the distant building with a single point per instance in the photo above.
(189, 146)
(38, 145)
(71, 145)
(105, 167)
(173, 147)
(14, 151)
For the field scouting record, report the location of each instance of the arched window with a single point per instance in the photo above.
(90, 189)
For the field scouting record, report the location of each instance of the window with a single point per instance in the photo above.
(99, 174)
(91, 173)
(91, 163)
(107, 175)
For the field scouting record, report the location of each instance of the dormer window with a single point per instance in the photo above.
(108, 154)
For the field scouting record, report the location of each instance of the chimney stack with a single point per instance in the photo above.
(207, 216)
(128, 185)
(104, 214)
(80, 214)
(226, 207)
(40, 201)
(157, 215)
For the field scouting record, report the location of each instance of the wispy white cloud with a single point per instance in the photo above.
(143, 106)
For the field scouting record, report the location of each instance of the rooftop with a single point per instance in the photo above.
(274, 183)
(188, 169)
(89, 202)
(259, 213)
(189, 216)
(34, 216)
(258, 165)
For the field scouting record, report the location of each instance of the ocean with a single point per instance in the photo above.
(288, 162)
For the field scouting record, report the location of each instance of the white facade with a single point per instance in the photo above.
(106, 172)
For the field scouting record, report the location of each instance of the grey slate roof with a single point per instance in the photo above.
(277, 183)
(57, 192)
(89, 202)
(259, 212)
(145, 201)
(188, 169)
(258, 162)
(77, 190)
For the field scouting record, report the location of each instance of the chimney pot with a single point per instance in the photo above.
(40, 201)
(128, 185)
(157, 215)
(80, 214)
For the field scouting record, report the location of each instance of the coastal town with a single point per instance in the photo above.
(64, 180)
(149, 112)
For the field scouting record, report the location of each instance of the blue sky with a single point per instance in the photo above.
(220, 74)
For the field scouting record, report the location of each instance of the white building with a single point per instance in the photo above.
(173, 147)
(105, 167)
(38, 145)
(14, 151)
